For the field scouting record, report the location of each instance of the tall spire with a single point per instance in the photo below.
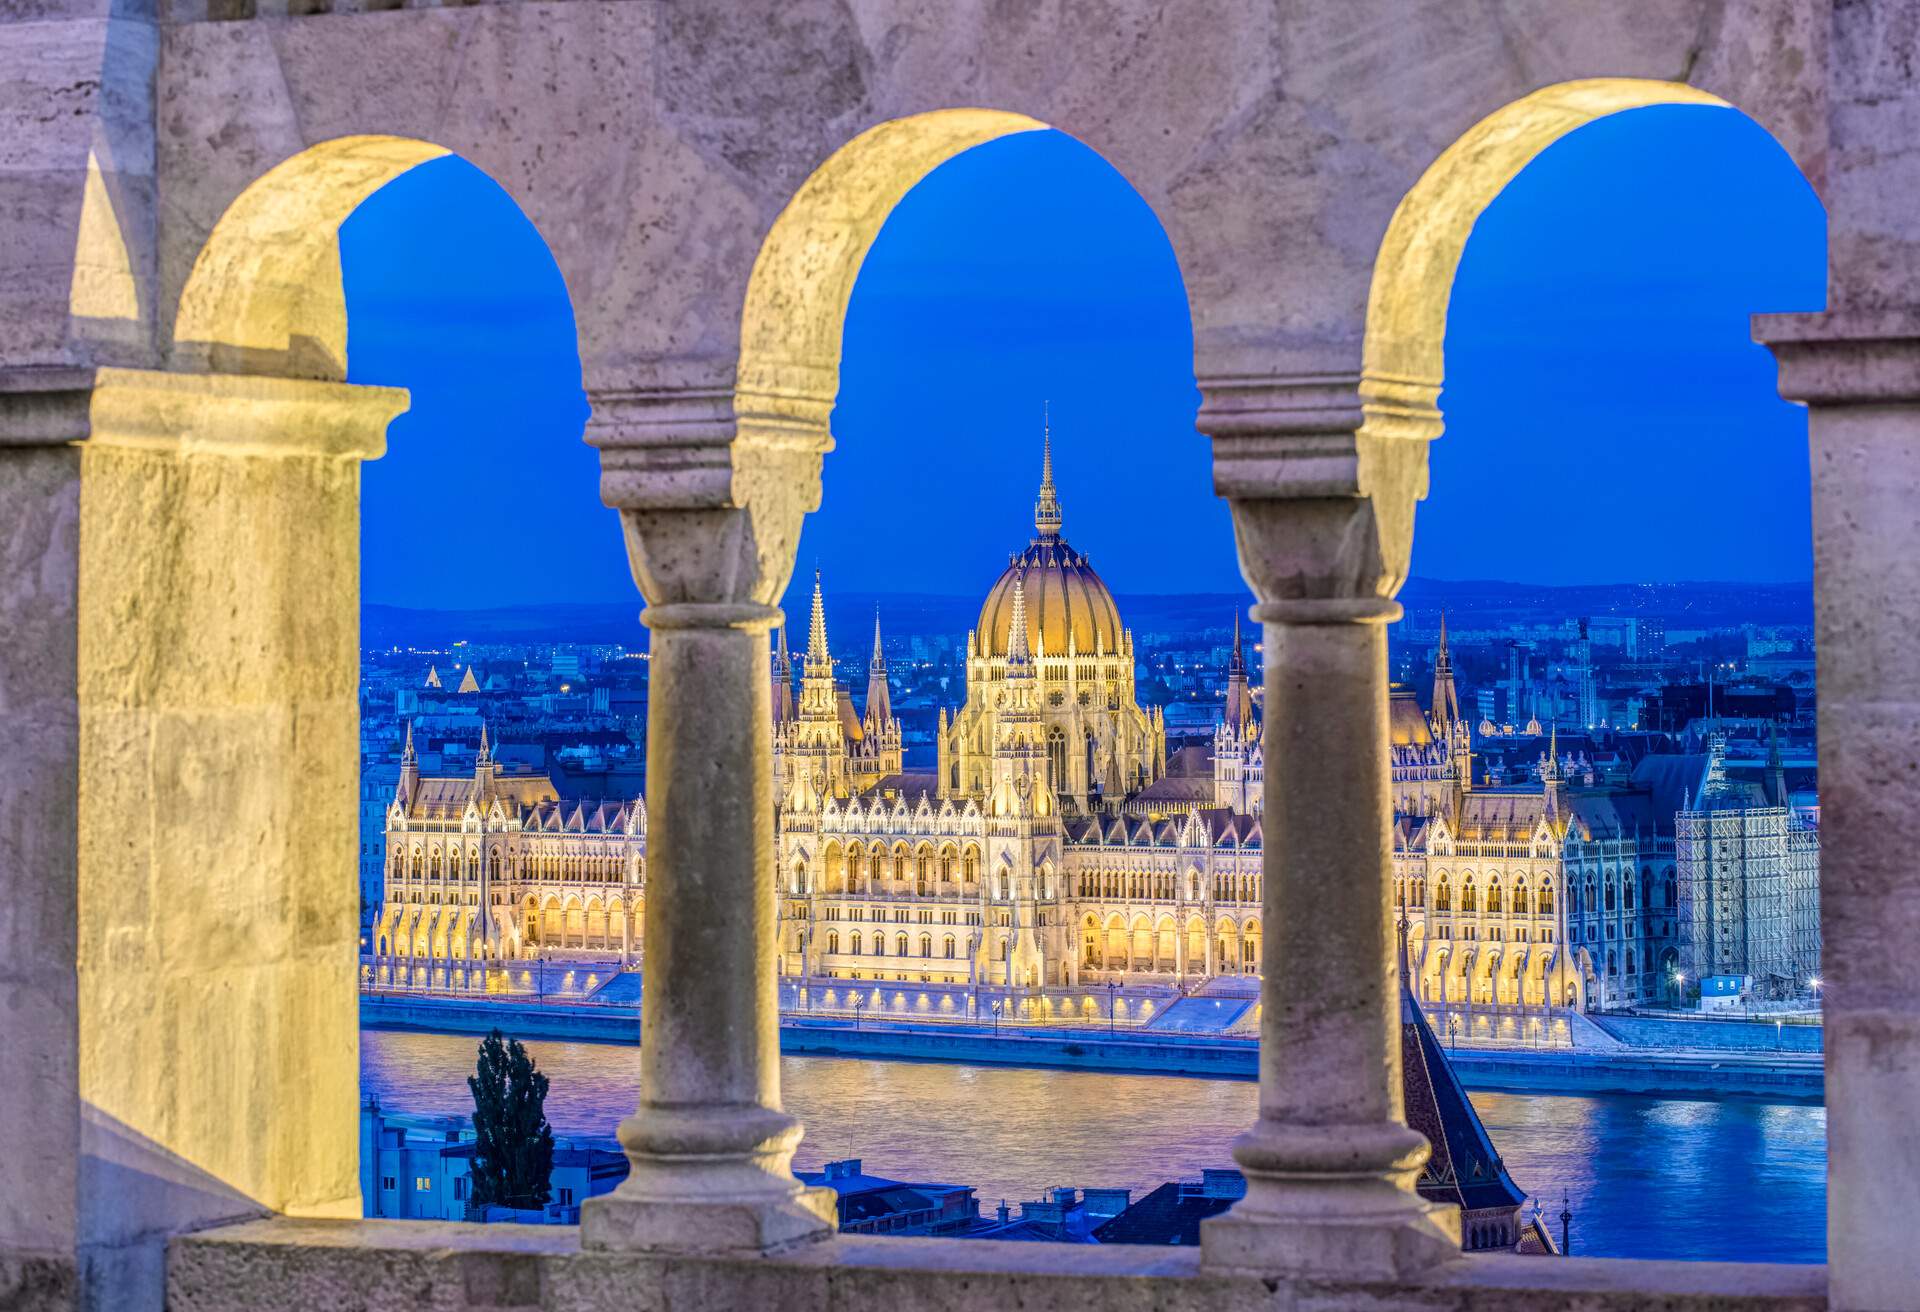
(406, 754)
(1238, 665)
(1046, 511)
(1550, 772)
(1017, 649)
(486, 752)
(782, 679)
(879, 700)
(1446, 697)
(817, 628)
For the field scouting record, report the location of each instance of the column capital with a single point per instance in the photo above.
(1323, 471)
(1845, 357)
(230, 414)
(712, 484)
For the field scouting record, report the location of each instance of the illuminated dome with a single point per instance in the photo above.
(1064, 597)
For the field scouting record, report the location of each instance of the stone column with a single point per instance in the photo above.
(178, 662)
(1323, 521)
(1859, 374)
(711, 504)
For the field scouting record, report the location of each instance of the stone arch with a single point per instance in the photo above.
(1403, 351)
(265, 294)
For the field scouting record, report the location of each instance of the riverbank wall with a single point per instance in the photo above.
(1654, 1073)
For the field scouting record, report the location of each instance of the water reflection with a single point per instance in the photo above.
(1646, 1177)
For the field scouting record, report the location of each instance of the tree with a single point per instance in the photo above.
(513, 1149)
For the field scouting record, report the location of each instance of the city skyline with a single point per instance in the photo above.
(1031, 271)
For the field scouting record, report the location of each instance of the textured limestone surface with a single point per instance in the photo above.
(178, 535)
(263, 1266)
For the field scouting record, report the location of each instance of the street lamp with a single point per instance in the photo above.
(1453, 1030)
(1813, 982)
(995, 1009)
(854, 1003)
(1111, 986)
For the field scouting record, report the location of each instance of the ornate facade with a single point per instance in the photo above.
(496, 867)
(1050, 843)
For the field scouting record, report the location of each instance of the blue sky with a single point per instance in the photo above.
(1609, 418)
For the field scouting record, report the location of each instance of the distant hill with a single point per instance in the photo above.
(849, 615)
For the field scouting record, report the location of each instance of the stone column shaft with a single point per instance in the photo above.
(1330, 1162)
(1859, 373)
(710, 1147)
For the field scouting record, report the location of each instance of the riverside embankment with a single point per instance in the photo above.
(1656, 1071)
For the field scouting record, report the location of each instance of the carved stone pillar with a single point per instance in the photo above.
(177, 664)
(1322, 513)
(711, 508)
(1859, 375)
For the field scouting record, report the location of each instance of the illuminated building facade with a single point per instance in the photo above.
(1050, 843)
(494, 867)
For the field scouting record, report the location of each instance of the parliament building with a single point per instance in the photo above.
(1056, 843)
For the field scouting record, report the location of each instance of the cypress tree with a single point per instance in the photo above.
(513, 1148)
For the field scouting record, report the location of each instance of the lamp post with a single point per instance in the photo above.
(1566, 1223)
(995, 1009)
(1453, 1030)
(1111, 986)
(854, 1003)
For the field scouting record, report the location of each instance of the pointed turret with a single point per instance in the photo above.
(1018, 653)
(817, 654)
(1446, 697)
(879, 702)
(1776, 768)
(1550, 768)
(782, 678)
(1046, 511)
(1238, 715)
(409, 771)
(486, 750)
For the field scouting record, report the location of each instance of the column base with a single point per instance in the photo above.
(741, 1227)
(1335, 1201)
(711, 1181)
(1392, 1246)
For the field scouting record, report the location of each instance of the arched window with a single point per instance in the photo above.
(1442, 896)
(1493, 895)
(926, 945)
(948, 945)
(1468, 902)
(1610, 895)
(879, 945)
(1057, 757)
(855, 943)
(1671, 892)
(1546, 897)
(970, 866)
(899, 945)
(833, 943)
(1519, 899)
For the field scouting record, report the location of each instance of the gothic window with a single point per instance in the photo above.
(1493, 896)
(1057, 757)
(833, 944)
(899, 945)
(1468, 902)
(1519, 899)
(1610, 895)
(1442, 896)
(948, 945)
(926, 945)
(855, 944)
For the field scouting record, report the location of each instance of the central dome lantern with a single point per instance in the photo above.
(1065, 600)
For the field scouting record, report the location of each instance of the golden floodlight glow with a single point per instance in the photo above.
(265, 295)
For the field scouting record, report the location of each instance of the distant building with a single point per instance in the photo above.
(422, 1169)
(1748, 867)
(487, 869)
(873, 1205)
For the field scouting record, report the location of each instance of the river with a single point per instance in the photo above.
(1646, 1177)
